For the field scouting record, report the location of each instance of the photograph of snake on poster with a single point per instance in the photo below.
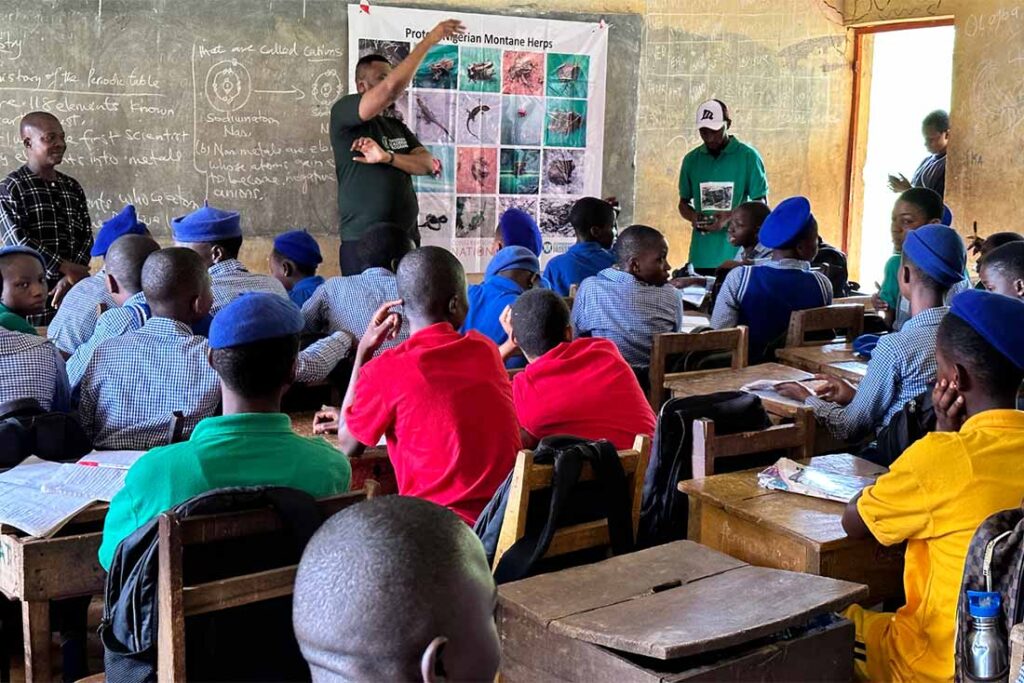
(513, 110)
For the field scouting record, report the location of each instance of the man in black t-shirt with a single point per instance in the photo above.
(375, 154)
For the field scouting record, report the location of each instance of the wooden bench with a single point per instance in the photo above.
(179, 600)
(846, 317)
(665, 346)
(528, 477)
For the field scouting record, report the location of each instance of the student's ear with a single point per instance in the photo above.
(905, 274)
(216, 253)
(287, 268)
(431, 662)
(1018, 288)
(961, 377)
(632, 266)
(111, 283)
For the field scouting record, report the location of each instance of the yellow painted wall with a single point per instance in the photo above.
(984, 173)
(784, 69)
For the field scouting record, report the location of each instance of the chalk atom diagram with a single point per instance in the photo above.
(327, 87)
(228, 85)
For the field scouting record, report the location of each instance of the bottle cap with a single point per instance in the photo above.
(983, 604)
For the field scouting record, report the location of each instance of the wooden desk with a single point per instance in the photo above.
(36, 571)
(692, 320)
(676, 612)
(372, 464)
(709, 381)
(731, 513)
(837, 360)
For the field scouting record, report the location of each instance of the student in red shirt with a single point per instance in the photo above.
(442, 399)
(581, 387)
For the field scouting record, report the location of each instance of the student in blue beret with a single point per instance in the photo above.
(516, 228)
(902, 364)
(294, 261)
(165, 363)
(76, 317)
(254, 353)
(943, 487)
(593, 220)
(216, 235)
(22, 287)
(762, 296)
(512, 271)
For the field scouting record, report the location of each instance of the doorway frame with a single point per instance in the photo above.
(863, 57)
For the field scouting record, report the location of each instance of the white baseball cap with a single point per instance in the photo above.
(711, 114)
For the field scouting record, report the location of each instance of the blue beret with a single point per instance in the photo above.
(938, 251)
(22, 249)
(509, 258)
(518, 228)
(299, 246)
(996, 319)
(865, 344)
(125, 222)
(206, 224)
(253, 317)
(786, 223)
(947, 215)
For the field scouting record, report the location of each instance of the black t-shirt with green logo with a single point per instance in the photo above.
(371, 193)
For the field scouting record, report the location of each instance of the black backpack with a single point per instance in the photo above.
(994, 563)
(912, 422)
(663, 514)
(834, 265)
(567, 502)
(26, 429)
(128, 628)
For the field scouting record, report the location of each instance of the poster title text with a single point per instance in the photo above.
(487, 39)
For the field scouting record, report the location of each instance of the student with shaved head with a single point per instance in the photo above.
(396, 589)
(631, 302)
(134, 382)
(46, 210)
(442, 399)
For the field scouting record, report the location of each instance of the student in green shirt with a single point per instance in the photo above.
(22, 287)
(714, 179)
(254, 344)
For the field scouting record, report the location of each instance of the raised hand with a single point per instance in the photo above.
(372, 153)
(384, 325)
(445, 29)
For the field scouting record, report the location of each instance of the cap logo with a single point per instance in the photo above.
(707, 115)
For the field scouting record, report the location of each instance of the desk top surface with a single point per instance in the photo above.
(813, 520)
(836, 359)
(727, 379)
(673, 600)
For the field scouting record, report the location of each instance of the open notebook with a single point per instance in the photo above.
(39, 496)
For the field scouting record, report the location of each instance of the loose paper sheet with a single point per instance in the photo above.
(791, 476)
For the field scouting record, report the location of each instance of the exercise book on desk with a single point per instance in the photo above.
(793, 477)
(39, 496)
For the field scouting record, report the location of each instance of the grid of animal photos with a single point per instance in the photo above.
(508, 128)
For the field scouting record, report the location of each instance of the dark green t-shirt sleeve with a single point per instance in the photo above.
(685, 186)
(758, 177)
(345, 112)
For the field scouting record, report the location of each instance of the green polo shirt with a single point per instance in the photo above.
(719, 183)
(890, 292)
(9, 320)
(248, 449)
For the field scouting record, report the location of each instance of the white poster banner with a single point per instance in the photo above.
(513, 110)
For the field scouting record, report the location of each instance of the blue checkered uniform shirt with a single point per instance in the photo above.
(31, 367)
(348, 303)
(901, 368)
(615, 305)
(76, 318)
(230, 278)
(113, 323)
(133, 382)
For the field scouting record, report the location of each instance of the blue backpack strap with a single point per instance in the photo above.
(141, 312)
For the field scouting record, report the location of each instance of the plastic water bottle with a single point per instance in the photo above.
(987, 658)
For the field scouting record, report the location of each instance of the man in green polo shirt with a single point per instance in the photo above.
(254, 346)
(714, 179)
(375, 154)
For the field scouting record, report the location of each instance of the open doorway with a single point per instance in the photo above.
(903, 74)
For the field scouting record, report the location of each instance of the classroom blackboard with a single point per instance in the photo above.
(170, 103)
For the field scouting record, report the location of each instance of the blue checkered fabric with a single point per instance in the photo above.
(230, 278)
(75, 320)
(901, 368)
(31, 367)
(348, 303)
(615, 305)
(113, 323)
